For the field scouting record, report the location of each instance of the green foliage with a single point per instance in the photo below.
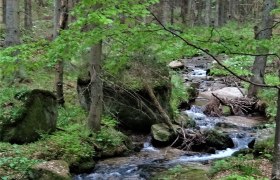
(72, 144)
(265, 148)
(109, 138)
(70, 114)
(239, 177)
(239, 64)
(11, 107)
(240, 164)
(18, 163)
(179, 91)
(109, 122)
(268, 95)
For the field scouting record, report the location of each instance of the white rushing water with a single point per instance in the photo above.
(148, 146)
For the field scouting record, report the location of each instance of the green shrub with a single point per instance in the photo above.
(265, 148)
(179, 91)
(239, 177)
(241, 164)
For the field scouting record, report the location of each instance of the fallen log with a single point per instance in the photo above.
(238, 106)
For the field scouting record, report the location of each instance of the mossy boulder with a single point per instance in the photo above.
(50, 170)
(162, 134)
(218, 140)
(185, 121)
(208, 141)
(38, 114)
(226, 111)
(127, 99)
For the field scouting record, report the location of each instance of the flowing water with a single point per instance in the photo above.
(152, 160)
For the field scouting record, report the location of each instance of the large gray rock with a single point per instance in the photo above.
(50, 170)
(226, 92)
(37, 115)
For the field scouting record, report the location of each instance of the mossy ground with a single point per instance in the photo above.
(72, 142)
(182, 173)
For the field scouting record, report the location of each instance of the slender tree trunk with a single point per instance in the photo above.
(276, 164)
(220, 13)
(41, 3)
(199, 15)
(60, 23)
(164, 10)
(264, 32)
(160, 109)
(12, 23)
(2, 14)
(208, 12)
(191, 14)
(96, 106)
(28, 14)
(172, 9)
(184, 11)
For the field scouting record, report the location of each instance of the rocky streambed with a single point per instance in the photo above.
(151, 162)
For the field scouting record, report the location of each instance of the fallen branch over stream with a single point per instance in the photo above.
(237, 106)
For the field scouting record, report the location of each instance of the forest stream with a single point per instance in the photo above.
(151, 161)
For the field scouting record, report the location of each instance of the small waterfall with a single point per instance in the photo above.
(148, 145)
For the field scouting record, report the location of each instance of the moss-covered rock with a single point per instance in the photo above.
(126, 98)
(208, 141)
(185, 121)
(218, 140)
(162, 134)
(226, 110)
(50, 170)
(38, 115)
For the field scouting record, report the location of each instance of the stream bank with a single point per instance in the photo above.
(151, 162)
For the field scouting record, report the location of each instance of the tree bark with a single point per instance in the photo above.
(191, 14)
(184, 11)
(265, 32)
(276, 160)
(166, 118)
(164, 10)
(96, 106)
(60, 23)
(172, 9)
(12, 23)
(1, 14)
(28, 14)
(220, 13)
(208, 12)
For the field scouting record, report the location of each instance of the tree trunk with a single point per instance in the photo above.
(166, 118)
(208, 12)
(41, 3)
(96, 106)
(12, 23)
(164, 10)
(191, 14)
(28, 14)
(172, 9)
(1, 14)
(199, 15)
(265, 32)
(276, 163)
(60, 23)
(184, 11)
(220, 13)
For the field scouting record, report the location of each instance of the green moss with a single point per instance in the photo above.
(265, 148)
(241, 164)
(181, 172)
(11, 107)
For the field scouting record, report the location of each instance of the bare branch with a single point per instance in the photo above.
(212, 56)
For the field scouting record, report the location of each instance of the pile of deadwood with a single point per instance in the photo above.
(238, 106)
